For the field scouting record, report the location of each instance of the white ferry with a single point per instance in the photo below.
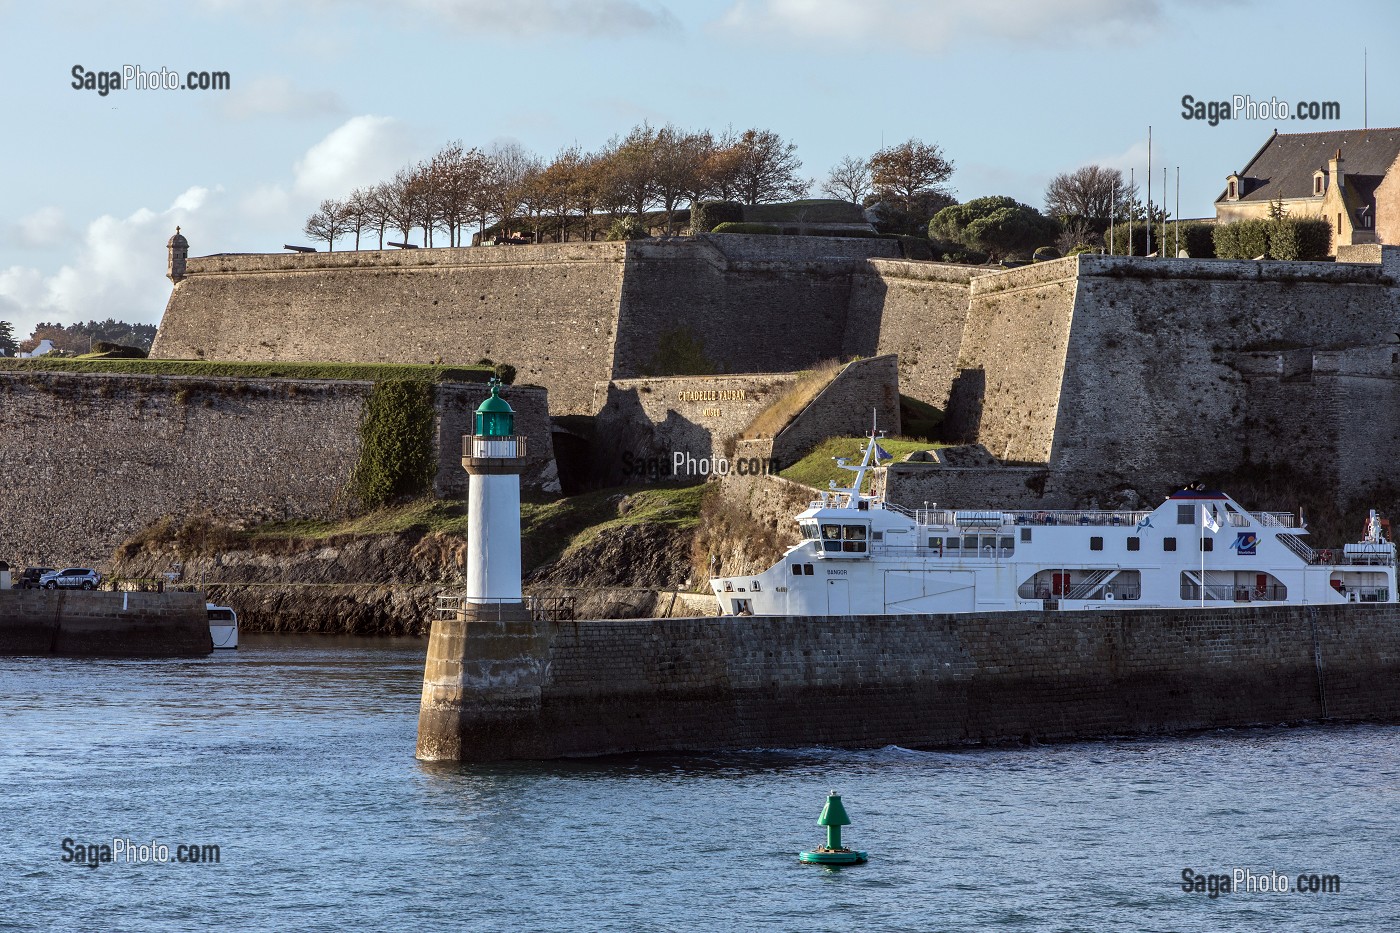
(223, 626)
(861, 555)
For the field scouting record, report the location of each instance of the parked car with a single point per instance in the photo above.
(29, 579)
(74, 578)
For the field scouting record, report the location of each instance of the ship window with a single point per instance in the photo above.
(1207, 544)
(1186, 514)
(831, 532)
(877, 536)
(807, 569)
(952, 543)
(797, 570)
(1169, 544)
(935, 542)
(1008, 543)
(1135, 544)
(969, 542)
(1025, 535)
(1096, 543)
(989, 543)
(855, 532)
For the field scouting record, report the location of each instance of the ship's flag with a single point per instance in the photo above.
(881, 453)
(1211, 519)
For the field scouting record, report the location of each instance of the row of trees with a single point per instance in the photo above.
(585, 194)
(517, 192)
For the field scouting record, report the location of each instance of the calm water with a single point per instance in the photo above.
(295, 757)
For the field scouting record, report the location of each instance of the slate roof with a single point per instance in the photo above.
(1284, 166)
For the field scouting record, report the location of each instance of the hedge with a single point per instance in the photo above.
(1291, 238)
(705, 216)
(745, 228)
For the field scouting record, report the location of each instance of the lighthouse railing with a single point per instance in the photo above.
(482, 446)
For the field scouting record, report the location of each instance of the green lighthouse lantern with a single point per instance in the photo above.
(494, 416)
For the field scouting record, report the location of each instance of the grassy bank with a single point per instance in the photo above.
(819, 467)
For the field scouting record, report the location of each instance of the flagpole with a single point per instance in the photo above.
(1201, 546)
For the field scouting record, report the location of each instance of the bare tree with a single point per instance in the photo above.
(329, 223)
(504, 190)
(360, 212)
(677, 166)
(849, 180)
(907, 174)
(401, 202)
(767, 168)
(630, 167)
(1089, 192)
(380, 199)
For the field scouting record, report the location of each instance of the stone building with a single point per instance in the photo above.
(1350, 178)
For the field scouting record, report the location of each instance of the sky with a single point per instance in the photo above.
(325, 96)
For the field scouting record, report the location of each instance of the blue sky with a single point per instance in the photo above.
(326, 96)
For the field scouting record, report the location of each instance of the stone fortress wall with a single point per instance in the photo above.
(1100, 373)
(89, 460)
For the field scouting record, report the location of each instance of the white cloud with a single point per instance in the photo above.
(279, 96)
(591, 18)
(43, 229)
(116, 265)
(361, 151)
(931, 25)
(118, 270)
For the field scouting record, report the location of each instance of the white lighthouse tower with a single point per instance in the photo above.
(494, 456)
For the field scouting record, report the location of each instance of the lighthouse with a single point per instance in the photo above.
(494, 457)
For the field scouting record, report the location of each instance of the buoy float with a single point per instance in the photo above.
(833, 853)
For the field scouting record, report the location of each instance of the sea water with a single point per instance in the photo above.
(287, 772)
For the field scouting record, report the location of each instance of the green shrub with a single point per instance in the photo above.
(855, 232)
(706, 215)
(766, 229)
(396, 443)
(915, 247)
(1306, 239)
(505, 372)
(1082, 248)
(116, 351)
(1045, 253)
(1197, 239)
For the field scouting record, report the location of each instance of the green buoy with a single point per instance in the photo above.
(833, 853)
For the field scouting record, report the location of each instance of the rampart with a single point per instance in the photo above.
(532, 690)
(88, 460)
(566, 315)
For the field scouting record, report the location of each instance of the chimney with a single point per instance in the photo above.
(1334, 169)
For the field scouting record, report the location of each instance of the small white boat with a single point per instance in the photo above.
(223, 626)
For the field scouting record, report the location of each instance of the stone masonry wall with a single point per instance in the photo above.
(548, 310)
(532, 690)
(1154, 392)
(917, 310)
(863, 391)
(88, 460)
(647, 420)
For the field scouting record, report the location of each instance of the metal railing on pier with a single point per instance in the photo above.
(542, 608)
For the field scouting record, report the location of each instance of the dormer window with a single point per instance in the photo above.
(1319, 183)
(1233, 193)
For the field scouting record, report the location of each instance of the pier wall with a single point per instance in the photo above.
(91, 624)
(554, 689)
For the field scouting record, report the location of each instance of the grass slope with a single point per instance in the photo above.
(819, 467)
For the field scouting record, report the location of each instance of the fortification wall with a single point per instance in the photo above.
(532, 690)
(646, 421)
(89, 460)
(865, 392)
(548, 310)
(1006, 394)
(1154, 392)
(917, 311)
(736, 303)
